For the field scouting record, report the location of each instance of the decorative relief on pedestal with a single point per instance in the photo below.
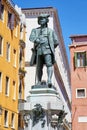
(38, 114)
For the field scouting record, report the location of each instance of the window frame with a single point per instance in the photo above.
(1, 11)
(76, 59)
(12, 120)
(8, 51)
(14, 90)
(16, 30)
(6, 116)
(77, 93)
(7, 84)
(1, 46)
(0, 81)
(10, 21)
(14, 57)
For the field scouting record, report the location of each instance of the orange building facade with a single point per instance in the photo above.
(12, 72)
(78, 56)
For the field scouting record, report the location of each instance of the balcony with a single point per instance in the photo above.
(22, 43)
(22, 72)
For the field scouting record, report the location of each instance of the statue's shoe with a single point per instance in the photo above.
(49, 84)
(39, 83)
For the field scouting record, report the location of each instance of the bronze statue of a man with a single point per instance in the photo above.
(45, 41)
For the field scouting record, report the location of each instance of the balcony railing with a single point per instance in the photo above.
(22, 43)
(22, 72)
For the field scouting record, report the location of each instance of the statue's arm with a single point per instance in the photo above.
(33, 37)
(56, 40)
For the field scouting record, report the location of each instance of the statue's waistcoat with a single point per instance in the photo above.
(48, 41)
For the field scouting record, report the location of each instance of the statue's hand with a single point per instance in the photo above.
(37, 41)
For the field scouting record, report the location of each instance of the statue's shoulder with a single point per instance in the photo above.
(50, 30)
(35, 30)
(38, 28)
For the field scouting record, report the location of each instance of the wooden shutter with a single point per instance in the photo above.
(84, 58)
(12, 22)
(20, 86)
(75, 59)
(9, 19)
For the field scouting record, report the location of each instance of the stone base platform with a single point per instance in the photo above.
(42, 103)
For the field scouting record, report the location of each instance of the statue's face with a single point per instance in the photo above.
(42, 21)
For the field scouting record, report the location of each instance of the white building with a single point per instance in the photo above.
(61, 76)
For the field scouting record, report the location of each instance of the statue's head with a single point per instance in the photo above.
(43, 19)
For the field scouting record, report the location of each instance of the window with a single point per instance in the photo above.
(21, 31)
(16, 30)
(0, 81)
(82, 119)
(12, 120)
(7, 86)
(0, 45)
(14, 90)
(81, 93)
(20, 88)
(21, 57)
(14, 57)
(19, 120)
(8, 51)
(80, 59)
(10, 23)
(6, 118)
(1, 11)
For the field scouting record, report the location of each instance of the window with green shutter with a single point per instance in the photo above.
(80, 59)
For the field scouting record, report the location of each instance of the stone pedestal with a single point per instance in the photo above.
(40, 107)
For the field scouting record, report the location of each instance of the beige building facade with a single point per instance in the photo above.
(61, 76)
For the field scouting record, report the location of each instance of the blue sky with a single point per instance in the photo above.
(72, 15)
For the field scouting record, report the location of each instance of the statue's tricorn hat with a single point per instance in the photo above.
(43, 16)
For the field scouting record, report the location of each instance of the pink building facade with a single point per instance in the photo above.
(78, 61)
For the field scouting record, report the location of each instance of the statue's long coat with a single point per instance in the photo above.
(52, 40)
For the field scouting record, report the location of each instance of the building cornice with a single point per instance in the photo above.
(78, 44)
(79, 35)
(35, 12)
(11, 6)
(78, 40)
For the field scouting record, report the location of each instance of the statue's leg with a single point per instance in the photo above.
(49, 73)
(48, 62)
(39, 69)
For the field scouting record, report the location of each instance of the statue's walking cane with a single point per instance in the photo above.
(36, 68)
